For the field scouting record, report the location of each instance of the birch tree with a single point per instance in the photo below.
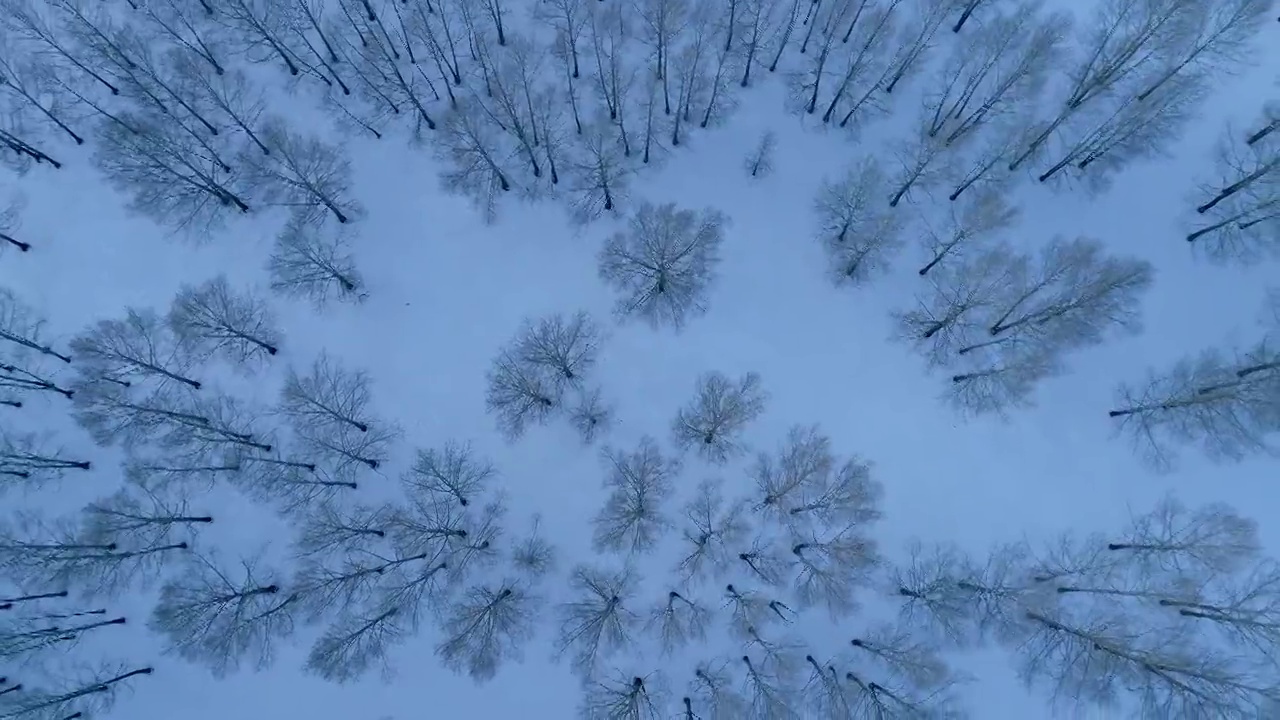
(598, 174)
(713, 423)
(328, 396)
(170, 177)
(1225, 406)
(829, 567)
(357, 642)
(996, 69)
(331, 528)
(301, 171)
(663, 265)
(918, 39)
(258, 29)
(10, 222)
(640, 483)
(1221, 41)
(893, 674)
(591, 415)
(477, 157)
(451, 474)
(619, 697)
(759, 163)
(291, 482)
(314, 261)
(970, 223)
(27, 376)
(223, 615)
(93, 690)
(136, 516)
(859, 234)
(1120, 44)
(31, 88)
(21, 327)
(26, 461)
(563, 349)
(1134, 130)
(1241, 205)
(713, 525)
(487, 625)
(518, 394)
(216, 320)
(678, 619)
(597, 622)
(137, 348)
(799, 466)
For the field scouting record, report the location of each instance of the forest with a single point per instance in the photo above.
(719, 562)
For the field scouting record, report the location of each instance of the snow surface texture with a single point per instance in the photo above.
(445, 288)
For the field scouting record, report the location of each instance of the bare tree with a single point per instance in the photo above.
(1225, 407)
(31, 86)
(222, 616)
(596, 623)
(678, 620)
(995, 70)
(973, 221)
(216, 320)
(1224, 34)
(1242, 203)
(846, 497)
(56, 554)
(859, 234)
(599, 174)
(258, 30)
(20, 326)
(476, 155)
(715, 526)
(640, 484)
(215, 425)
(23, 376)
(141, 346)
(171, 178)
(800, 467)
(714, 421)
(358, 641)
(918, 38)
(10, 221)
(88, 692)
(893, 674)
(450, 475)
(712, 694)
(1134, 130)
(1172, 539)
(1004, 376)
(229, 94)
(487, 625)
(619, 697)
(26, 461)
(1095, 658)
(933, 601)
(831, 565)
(564, 349)
(114, 413)
(30, 636)
(136, 516)
(291, 482)
(329, 528)
(590, 415)
(664, 264)
(347, 449)
(301, 171)
(1120, 44)
(330, 396)
(768, 692)
(313, 261)
(519, 394)
(759, 163)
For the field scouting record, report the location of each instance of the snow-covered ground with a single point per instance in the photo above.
(446, 291)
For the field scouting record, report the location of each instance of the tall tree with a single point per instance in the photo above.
(87, 693)
(221, 615)
(487, 625)
(859, 233)
(713, 525)
(26, 461)
(1121, 45)
(664, 263)
(170, 177)
(312, 260)
(1242, 203)
(137, 348)
(216, 320)
(598, 174)
(713, 423)
(640, 483)
(20, 326)
(327, 396)
(450, 475)
(597, 622)
(970, 223)
(301, 171)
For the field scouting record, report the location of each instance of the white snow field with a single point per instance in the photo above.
(356, 592)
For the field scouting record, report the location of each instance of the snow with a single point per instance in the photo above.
(446, 291)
